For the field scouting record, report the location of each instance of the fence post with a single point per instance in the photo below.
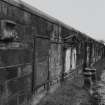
(48, 76)
(90, 55)
(63, 63)
(34, 62)
(85, 56)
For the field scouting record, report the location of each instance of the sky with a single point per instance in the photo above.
(87, 16)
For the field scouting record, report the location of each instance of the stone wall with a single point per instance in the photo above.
(35, 51)
(16, 58)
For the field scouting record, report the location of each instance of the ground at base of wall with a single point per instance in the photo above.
(70, 93)
(40, 95)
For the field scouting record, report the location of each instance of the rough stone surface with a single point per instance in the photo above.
(55, 60)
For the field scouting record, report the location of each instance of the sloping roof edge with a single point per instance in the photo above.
(27, 7)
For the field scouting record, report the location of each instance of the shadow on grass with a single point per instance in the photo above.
(68, 94)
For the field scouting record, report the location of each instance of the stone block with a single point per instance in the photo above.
(11, 72)
(12, 101)
(22, 99)
(19, 84)
(8, 73)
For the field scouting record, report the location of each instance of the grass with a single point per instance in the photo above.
(69, 94)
